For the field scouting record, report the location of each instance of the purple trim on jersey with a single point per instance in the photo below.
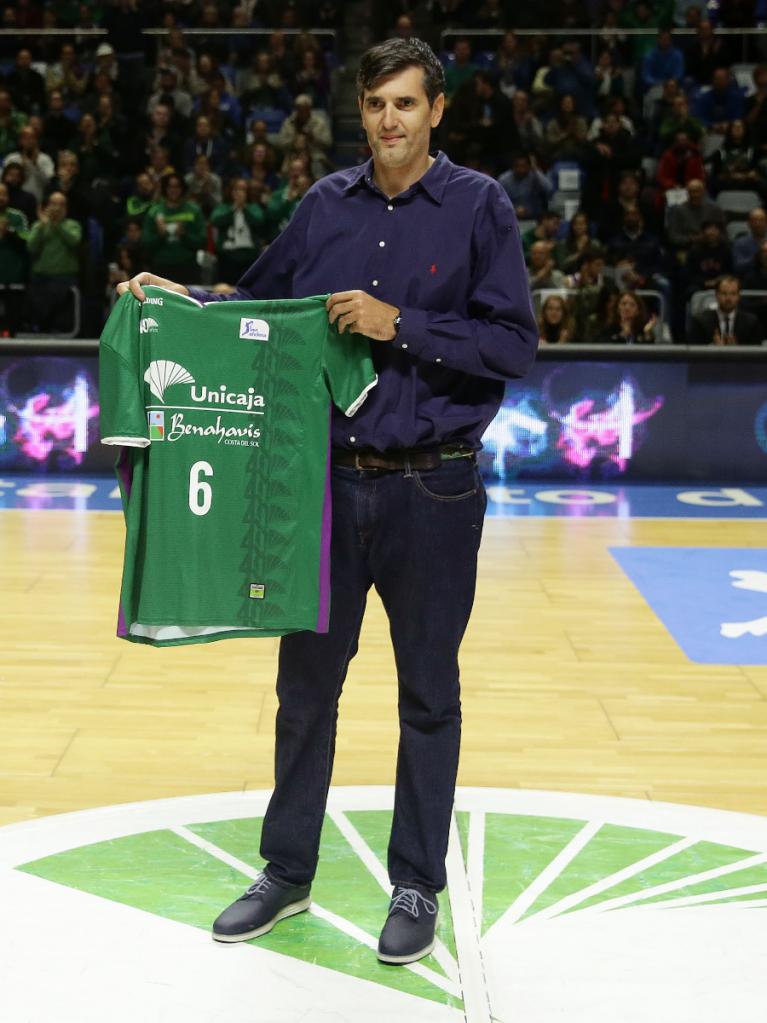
(123, 470)
(323, 616)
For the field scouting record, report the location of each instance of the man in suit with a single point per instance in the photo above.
(727, 324)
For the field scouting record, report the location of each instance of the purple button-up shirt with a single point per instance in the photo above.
(447, 253)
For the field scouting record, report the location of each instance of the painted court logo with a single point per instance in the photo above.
(253, 330)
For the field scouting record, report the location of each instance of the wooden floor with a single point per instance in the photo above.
(570, 682)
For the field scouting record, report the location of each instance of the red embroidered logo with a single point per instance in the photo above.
(433, 268)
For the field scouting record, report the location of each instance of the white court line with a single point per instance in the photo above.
(339, 922)
(618, 877)
(476, 1004)
(538, 885)
(682, 882)
(704, 897)
(475, 865)
(376, 869)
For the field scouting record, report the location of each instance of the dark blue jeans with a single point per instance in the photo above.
(414, 536)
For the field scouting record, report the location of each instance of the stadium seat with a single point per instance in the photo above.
(566, 176)
(700, 301)
(743, 74)
(735, 228)
(733, 202)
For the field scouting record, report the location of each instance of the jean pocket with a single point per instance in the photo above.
(455, 480)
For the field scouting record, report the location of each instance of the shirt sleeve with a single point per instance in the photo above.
(499, 337)
(121, 392)
(348, 369)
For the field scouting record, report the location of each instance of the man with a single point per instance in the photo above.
(13, 261)
(684, 225)
(663, 62)
(541, 272)
(54, 249)
(727, 324)
(527, 187)
(314, 125)
(709, 259)
(38, 166)
(422, 257)
(591, 288)
(722, 103)
(746, 246)
(27, 86)
(640, 254)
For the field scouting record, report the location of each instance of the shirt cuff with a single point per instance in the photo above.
(412, 336)
(201, 295)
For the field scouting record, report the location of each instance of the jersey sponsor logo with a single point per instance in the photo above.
(244, 436)
(156, 425)
(257, 591)
(162, 373)
(153, 301)
(149, 326)
(246, 400)
(254, 330)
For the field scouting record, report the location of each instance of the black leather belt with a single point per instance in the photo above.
(401, 458)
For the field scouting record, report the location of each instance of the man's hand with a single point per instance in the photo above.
(362, 314)
(135, 283)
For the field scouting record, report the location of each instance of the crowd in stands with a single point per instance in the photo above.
(636, 156)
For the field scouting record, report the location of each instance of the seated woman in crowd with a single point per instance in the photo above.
(555, 321)
(629, 323)
(567, 253)
(566, 131)
(733, 165)
(174, 229)
(241, 231)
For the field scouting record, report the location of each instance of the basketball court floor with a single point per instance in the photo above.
(608, 859)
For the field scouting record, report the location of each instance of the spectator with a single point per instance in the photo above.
(542, 273)
(13, 259)
(205, 74)
(38, 166)
(67, 75)
(459, 70)
(54, 248)
(529, 128)
(572, 74)
(722, 103)
(312, 78)
(708, 259)
(263, 159)
(566, 132)
(629, 196)
(679, 119)
(70, 182)
(58, 129)
(756, 111)
(733, 165)
(206, 143)
(106, 63)
(569, 251)
(592, 295)
(612, 153)
(26, 86)
(545, 230)
(213, 45)
(680, 164)
(161, 132)
(112, 131)
(527, 187)
(556, 324)
(489, 120)
(241, 231)
(616, 107)
(262, 86)
(283, 60)
(222, 108)
(609, 78)
(660, 109)
(629, 322)
(707, 53)
(746, 247)
(314, 126)
(284, 201)
(203, 186)
(13, 179)
(174, 229)
(663, 62)
(642, 15)
(159, 166)
(170, 93)
(143, 196)
(728, 324)
(639, 253)
(513, 66)
(97, 162)
(11, 123)
(684, 225)
(755, 279)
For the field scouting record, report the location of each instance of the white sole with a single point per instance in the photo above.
(402, 960)
(291, 910)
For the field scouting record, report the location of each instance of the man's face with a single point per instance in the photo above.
(720, 79)
(695, 191)
(57, 206)
(56, 104)
(728, 296)
(538, 255)
(628, 188)
(161, 116)
(712, 235)
(398, 120)
(462, 52)
(521, 167)
(26, 139)
(757, 221)
(23, 60)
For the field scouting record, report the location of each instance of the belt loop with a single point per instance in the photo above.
(408, 471)
(357, 465)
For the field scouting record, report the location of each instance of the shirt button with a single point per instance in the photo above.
(375, 284)
(352, 439)
(381, 244)
(404, 346)
(438, 360)
(390, 207)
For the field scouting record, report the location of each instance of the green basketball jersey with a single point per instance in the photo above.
(222, 415)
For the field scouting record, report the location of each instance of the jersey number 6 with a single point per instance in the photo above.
(200, 493)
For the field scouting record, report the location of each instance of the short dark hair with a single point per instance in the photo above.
(395, 55)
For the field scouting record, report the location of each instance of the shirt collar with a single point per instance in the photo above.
(433, 182)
